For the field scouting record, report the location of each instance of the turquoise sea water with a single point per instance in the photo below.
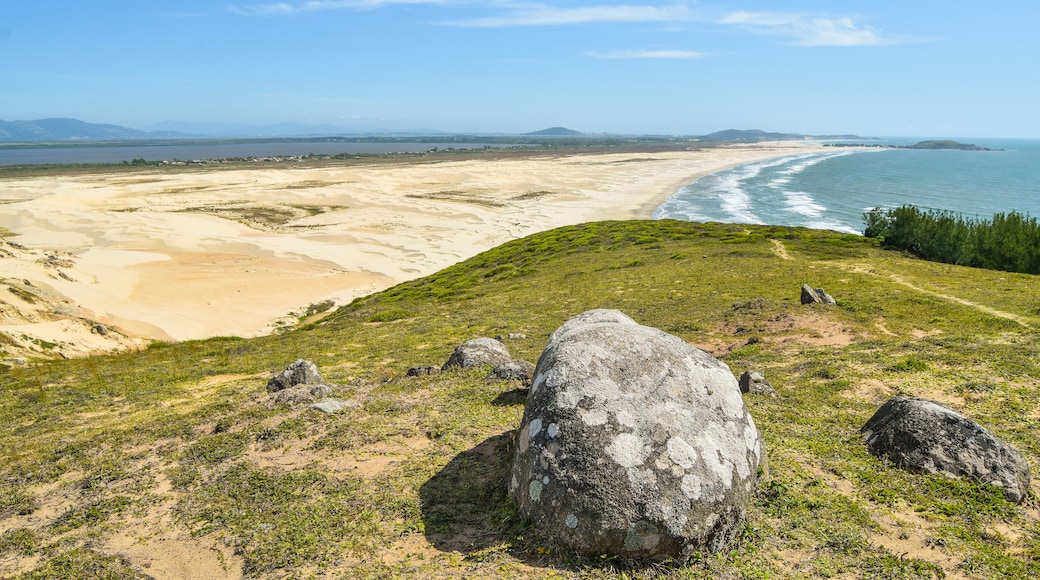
(832, 190)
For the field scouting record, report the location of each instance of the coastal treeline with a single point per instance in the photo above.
(1007, 241)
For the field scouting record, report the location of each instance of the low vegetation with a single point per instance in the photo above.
(104, 460)
(1008, 242)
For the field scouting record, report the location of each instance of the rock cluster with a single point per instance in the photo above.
(633, 443)
(812, 295)
(925, 436)
(301, 383)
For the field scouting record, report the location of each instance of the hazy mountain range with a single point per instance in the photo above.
(71, 130)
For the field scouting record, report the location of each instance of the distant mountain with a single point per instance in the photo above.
(228, 130)
(755, 136)
(556, 132)
(63, 129)
(749, 136)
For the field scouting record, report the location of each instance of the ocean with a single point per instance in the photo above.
(831, 190)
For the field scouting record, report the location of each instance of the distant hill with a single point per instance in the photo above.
(948, 144)
(755, 136)
(556, 132)
(276, 130)
(64, 129)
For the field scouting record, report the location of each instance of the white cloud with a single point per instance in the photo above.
(805, 31)
(637, 54)
(282, 8)
(543, 15)
(760, 19)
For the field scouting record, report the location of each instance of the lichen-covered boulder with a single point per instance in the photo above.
(633, 443)
(300, 372)
(478, 352)
(926, 436)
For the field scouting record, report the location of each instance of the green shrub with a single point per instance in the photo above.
(1008, 242)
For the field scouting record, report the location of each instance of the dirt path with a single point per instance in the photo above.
(860, 269)
(780, 250)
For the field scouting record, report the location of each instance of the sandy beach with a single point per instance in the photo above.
(109, 261)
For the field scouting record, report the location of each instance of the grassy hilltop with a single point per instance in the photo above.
(128, 466)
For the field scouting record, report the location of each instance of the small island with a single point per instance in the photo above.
(948, 144)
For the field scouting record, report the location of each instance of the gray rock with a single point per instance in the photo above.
(300, 372)
(755, 383)
(99, 329)
(633, 443)
(926, 436)
(825, 297)
(478, 352)
(422, 371)
(812, 295)
(517, 370)
(300, 394)
(330, 406)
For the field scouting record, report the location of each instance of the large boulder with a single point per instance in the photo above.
(633, 443)
(478, 352)
(300, 372)
(925, 436)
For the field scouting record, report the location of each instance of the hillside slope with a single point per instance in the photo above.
(144, 463)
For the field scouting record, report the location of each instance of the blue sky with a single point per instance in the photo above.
(916, 68)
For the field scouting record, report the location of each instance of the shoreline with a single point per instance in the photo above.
(180, 255)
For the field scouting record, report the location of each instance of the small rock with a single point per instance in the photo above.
(812, 295)
(478, 352)
(926, 436)
(517, 370)
(330, 406)
(827, 298)
(300, 372)
(422, 371)
(293, 396)
(755, 383)
(99, 329)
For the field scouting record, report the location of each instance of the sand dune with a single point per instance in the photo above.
(184, 255)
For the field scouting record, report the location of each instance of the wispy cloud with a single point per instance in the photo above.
(806, 31)
(285, 8)
(544, 15)
(648, 54)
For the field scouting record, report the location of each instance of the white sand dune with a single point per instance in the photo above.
(178, 255)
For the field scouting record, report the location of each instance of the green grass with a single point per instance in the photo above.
(183, 439)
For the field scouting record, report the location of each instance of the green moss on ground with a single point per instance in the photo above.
(182, 440)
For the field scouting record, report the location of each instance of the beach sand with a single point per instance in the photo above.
(178, 255)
